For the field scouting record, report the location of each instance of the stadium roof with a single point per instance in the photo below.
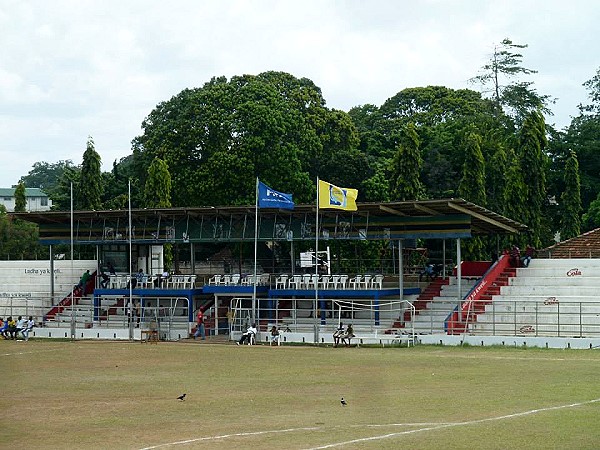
(444, 218)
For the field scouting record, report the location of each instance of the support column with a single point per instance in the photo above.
(51, 251)
(400, 270)
(459, 274)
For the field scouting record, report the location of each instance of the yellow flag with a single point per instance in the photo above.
(334, 197)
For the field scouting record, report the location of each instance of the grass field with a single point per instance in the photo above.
(98, 395)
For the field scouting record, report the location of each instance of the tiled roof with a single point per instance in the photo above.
(586, 245)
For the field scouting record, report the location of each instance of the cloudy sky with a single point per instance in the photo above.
(73, 69)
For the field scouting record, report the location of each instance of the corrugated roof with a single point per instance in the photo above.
(29, 192)
(429, 219)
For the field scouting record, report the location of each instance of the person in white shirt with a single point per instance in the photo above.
(250, 332)
(28, 327)
(20, 325)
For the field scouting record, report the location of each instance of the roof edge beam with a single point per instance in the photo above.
(482, 217)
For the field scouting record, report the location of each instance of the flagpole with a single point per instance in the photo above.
(255, 251)
(316, 320)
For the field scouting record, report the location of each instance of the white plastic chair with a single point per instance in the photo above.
(296, 282)
(314, 281)
(235, 278)
(335, 280)
(355, 282)
(306, 281)
(378, 282)
(343, 281)
(366, 281)
(324, 282)
(281, 282)
(264, 279)
(215, 280)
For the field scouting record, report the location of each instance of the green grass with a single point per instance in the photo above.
(97, 395)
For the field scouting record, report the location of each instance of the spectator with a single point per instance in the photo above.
(83, 282)
(529, 253)
(104, 279)
(337, 334)
(28, 327)
(137, 311)
(3, 327)
(11, 327)
(349, 334)
(20, 326)
(275, 336)
(200, 324)
(431, 271)
(111, 269)
(248, 335)
(515, 256)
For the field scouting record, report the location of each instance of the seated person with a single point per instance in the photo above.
(427, 272)
(337, 334)
(349, 334)
(3, 327)
(275, 336)
(249, 334)
(515, 256)
(104, 279)
(28, 327)
(529, 252)
(11, 328)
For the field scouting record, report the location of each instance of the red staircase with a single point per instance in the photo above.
(432, 290)
(67, 301)
(492, 289)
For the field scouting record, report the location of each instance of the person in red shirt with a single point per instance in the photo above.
(200, 325)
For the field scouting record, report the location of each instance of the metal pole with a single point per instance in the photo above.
(72, 270)
(130, 312)
(316, 323)
(459, 275)
(255, 252)
(400, 269)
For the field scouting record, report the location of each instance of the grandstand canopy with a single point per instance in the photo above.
(428, 219)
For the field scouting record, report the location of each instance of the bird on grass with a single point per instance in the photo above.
(181, 397)
(343, 402)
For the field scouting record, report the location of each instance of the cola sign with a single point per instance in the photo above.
(574, 272)
(551, 301)
(527, 329)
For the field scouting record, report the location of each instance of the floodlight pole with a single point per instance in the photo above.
(72, 270)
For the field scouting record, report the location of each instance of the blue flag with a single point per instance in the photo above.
(270, 198)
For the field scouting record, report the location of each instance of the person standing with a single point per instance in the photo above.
(200, 324)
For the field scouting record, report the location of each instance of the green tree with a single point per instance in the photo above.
(19, 239)
(158, 185)
(407, 163)
(46, 175)
(571, 200)
(89, 191)
(532, 142)
(500, 78)
(472, 187)
(20, 198)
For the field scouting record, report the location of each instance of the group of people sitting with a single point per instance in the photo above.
(11, 328)
(251, 332)
(515, 258)
(343, 336)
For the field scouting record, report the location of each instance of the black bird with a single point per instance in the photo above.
(181, 397)
(343, 402)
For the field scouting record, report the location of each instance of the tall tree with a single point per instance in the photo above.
(571, 200)
(500, 77)
(472, 186)
(406, 168)
(89, 192)
(158, 185)
(20, 198)
(532, 142)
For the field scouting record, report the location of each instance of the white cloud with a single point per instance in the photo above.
(73, 68)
